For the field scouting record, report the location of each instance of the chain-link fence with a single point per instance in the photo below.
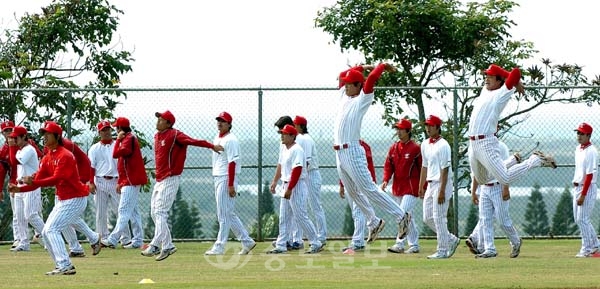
(255, 111)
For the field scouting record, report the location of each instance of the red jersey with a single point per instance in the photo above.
(83, 162)
(58, 168)
(170, 148)
(130, 163)
(404, 163)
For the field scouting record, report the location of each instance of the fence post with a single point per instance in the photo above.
(455, 159)
(260, 163)
(69, 113)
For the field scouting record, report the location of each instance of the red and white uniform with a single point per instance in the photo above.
(584, 179)
(403, 163)
(170, 147)
(58, 168)
(350, 157)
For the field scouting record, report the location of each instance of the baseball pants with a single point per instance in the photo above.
(15, 222)
(353, 171)
(227, 217)
(128, 211)
(163, 196)
(314, 200)
(582, 214)
(295, 207)
(27, 209)
(490, 205)
(485, 160)
(107, 199)
(407, 203)
(435, 215)
(358, 238)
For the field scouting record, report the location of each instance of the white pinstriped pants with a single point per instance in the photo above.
(65, 214)
(128, 211)
(435, 215)
(487, 165)
(354, 173)
(407, 203)
(70, 235)
(581, 214)
(295, 208)
(226, 215)
(358, 238)
(163, 196)
(490, 205)
(14, 223)
(314, 200)
(106, 198)
(28, 206)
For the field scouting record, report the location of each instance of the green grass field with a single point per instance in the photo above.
(542, 264)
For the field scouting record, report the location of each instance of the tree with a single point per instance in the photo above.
(472, 219)
(536, 216)
(269, 221)
(265, 200)
(348, 229)
(184, 219)
(563, 223)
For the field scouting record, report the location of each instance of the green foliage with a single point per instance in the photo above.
(184, 219)
(536, 216)
(269, 227)
(149, 228)
(348, 229)
(563, 223)
(265, 202)
(472, 219)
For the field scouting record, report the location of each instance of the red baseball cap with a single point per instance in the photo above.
(496, 70)
(167, 115)
(352, 76)
(584, 128)
(224, 116)
(103, 124)
(404, 124)
(121, 122)
(51, 127)
(433, 120)
(7, 124)
(288, 129)
(300, 120)
(18, 131)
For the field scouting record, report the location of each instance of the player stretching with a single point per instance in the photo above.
(356, 96)
(584, 180)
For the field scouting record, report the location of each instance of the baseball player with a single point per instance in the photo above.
(58, 168)
(295, 241)
(585, 190)
(27, 206)
(356, 96)
(313, 178)
(170, 147)
(483, 155)
(403, 162)
(103, 181)
(131, 177)
(437, 172)
(226, 166)
(358, 237)
(7, 168)
(293, 203)
(493, 201)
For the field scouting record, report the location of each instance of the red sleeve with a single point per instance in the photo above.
(43, 179)
(513, 78)
(83, 163)
(340, 82)
(123, 147)
(184, 139)
(586, 184)
(12, 152)
(296, 172)
(2, 176)
(231, 173)
(388, 166)
(372, 78)
(92, 175)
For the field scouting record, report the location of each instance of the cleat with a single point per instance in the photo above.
(68, 270)
(15, 244)
(297, 246)
(375, 231)
(20, 248)
(453, 247)
(353, 248)
(213, 252)
(583, 255)
(516, 249)
(547, 160)
(96, 247)
(472, 245)
(403, 226)
(396, 249)
(276, 251)
(104, 243)
(314, 249)
(438, 255)
(412, 250)
(487, 254)
(245, 250)
(76, 254)
(131, 245)
(165, 253)
(151, 251)
(287, 244)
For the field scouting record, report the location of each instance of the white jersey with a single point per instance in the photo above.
(486, 110)
(28, 161)
(350, 115)
(291, 158)
(310, 151)
(230, 153)
(101, 159)
(436, 157)
(586, 162)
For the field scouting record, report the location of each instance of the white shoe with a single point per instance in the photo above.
(396, 249)
(453, 247)
(245, 250)
(412, 250)
(438, 255)
(214, 252)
